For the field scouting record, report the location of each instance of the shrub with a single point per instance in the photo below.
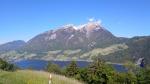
(143, 77)
(53, 68)
(7, 66)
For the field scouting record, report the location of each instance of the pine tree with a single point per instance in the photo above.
(99, 73)
(72, 69)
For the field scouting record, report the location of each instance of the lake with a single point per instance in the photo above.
(41, 64)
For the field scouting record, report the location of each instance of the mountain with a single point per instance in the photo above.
(139, 47)
(84, 42)
(11, 45)
(87, 36)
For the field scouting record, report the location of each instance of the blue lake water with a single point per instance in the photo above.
(41, 64)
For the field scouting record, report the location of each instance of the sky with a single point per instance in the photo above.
(24, 19)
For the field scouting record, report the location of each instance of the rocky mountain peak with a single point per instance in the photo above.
(93, 25)
(72, 37)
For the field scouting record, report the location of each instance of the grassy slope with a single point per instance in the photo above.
(66, 54)
(33, 77)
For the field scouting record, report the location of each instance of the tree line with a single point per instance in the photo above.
(98, 72)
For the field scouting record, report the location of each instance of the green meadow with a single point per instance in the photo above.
(33, 77)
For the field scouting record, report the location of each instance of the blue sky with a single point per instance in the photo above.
(24, 19)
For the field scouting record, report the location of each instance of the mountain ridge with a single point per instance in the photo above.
(12, 45)
(73, 37)
(83, 42)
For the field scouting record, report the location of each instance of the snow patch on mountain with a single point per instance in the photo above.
(52, 37)
(68, 25)
(92, 44)
(71, 37)
(89, 26)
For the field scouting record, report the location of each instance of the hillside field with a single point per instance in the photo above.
(33, 77)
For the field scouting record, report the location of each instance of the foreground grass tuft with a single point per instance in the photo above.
(33, 77)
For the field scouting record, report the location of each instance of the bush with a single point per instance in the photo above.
(82, 74)
(7, 66)
(143, 77)
(125, 78)
(53, 68)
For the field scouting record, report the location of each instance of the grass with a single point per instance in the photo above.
(33, 77)
(104, 51)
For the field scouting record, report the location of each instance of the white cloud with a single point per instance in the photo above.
(91, 19)
(95, 20)
(99, 21)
